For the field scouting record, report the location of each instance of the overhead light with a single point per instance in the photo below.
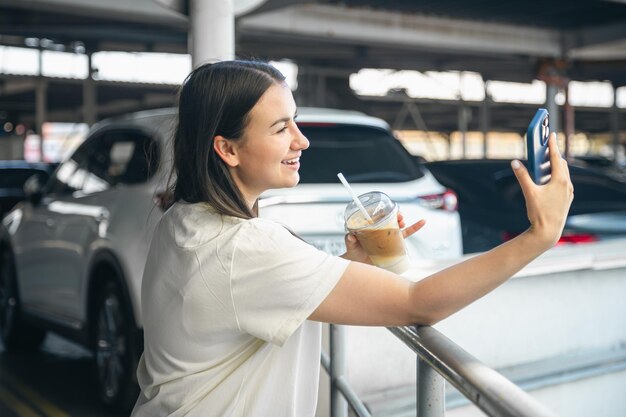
(31, 42)
(46, 43)
(78, 47)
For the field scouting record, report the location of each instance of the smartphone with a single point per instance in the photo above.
(537, 147)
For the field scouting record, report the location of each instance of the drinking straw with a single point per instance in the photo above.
(354, 197)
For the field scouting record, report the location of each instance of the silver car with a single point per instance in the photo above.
(73, 254)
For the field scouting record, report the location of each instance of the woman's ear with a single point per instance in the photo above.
(226, 150)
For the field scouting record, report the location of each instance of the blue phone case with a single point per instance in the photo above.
(537, 147)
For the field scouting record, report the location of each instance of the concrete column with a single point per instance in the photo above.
(212, 31)
(552, 107)
(554, 74)
(310, 91)
(568, 123)
(41, 104)
(484, 119)
(90, 112)
(615, 126)
(320, 91)
(464, 114)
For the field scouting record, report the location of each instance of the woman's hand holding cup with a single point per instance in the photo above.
(356, 251)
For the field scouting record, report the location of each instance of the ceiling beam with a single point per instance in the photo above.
(596, 35)
(137, 11)
(18, 87)
(372, 27)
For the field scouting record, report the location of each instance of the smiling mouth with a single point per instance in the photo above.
(291, 161)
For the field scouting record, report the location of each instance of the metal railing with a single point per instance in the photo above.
(438, 358)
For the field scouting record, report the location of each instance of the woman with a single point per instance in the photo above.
(232, 304)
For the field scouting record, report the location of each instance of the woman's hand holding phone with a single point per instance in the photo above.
(547, 205)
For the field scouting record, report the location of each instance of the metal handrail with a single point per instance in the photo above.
(437, 358)
(341, 385)
(487, 389)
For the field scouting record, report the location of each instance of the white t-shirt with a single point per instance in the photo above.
(225, 303)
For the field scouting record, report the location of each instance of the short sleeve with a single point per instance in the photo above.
(278, 280)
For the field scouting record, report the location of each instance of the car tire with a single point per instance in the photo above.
(115, 350)
(16, 335)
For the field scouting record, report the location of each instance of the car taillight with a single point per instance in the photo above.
(575, 238)
(447, 201)
(566, 238)
(506, 236)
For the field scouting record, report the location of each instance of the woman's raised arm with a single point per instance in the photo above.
(366, 295)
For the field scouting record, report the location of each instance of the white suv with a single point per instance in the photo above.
(73, 254)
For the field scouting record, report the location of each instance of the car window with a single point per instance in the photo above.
(16, 177)
(592, 192)
(108, 159)
(596, 193)
(121, 157)
(363, 154)
(133, 157)
(70, 175)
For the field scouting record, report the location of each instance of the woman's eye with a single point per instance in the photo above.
(283, 129)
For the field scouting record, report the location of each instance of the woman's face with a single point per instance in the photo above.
(268, 154)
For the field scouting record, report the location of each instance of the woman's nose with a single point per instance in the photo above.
(299, 141)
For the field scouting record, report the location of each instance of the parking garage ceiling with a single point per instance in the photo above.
(502, 40)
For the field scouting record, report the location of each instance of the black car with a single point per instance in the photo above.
(492, 208)
(13, 175)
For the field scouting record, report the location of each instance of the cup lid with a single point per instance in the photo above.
(377, 204)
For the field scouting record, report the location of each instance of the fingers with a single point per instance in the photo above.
(521, 173)
(413, 228)
(556, 161)
(566, 166)
(559, 166)
(351, 240)
(401, 220)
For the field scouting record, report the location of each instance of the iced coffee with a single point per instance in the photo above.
(379, 234)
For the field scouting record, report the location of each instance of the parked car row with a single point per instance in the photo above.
(72, 255)
(492, 208)
(13, 176)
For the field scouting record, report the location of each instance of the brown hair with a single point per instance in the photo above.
(215, 99)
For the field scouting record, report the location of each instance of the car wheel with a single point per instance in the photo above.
(115, 350)
(15, 334)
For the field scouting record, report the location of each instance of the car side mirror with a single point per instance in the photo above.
(33, 189)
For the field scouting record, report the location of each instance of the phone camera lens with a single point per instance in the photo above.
(545, 131)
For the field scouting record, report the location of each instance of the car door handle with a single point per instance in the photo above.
(50, 223)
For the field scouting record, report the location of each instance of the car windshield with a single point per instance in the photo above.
(15, 177)
(363, 154)
(491, 183)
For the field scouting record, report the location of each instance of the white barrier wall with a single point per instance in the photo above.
(571, 302)
(600, 396)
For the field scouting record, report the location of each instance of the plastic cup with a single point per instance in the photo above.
(381, 238)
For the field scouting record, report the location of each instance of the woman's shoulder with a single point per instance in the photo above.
(181, 212)
(261, 235)
(195, 224)
(267, 227)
